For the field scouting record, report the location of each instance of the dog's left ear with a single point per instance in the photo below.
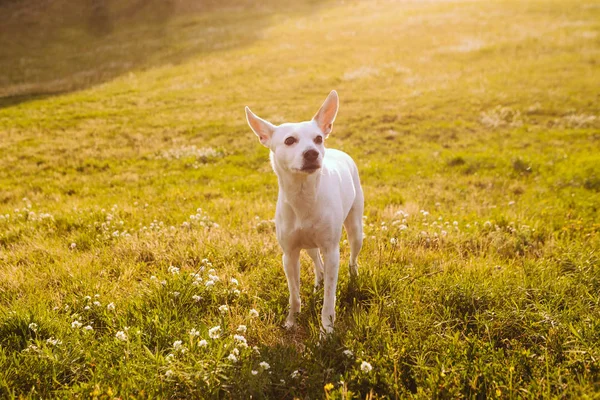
(263, 129)
(326, 114)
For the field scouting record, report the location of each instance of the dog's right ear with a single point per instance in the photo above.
(263, 129)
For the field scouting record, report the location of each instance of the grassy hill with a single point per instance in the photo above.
(129, 179)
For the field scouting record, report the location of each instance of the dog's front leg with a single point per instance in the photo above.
(291, 265)
(332, 266)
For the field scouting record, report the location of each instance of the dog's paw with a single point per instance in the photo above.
(353, 271)
(290, 324)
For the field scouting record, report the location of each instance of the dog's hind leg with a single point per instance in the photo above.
(316, 257)
(354, 229)
(291, 265)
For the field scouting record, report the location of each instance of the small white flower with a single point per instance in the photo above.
(169, 358)
(196, 298)
(194, 332)
(235, 351)
(173, 270)
(97, 303)
(86, 307)
(176, 294)
(242, 328)
(76, 324)
(487, 224)
(177, 344)
(33, 326)
(366, 367)
(214, 278)
(168, 373)
(254, 372)
(88, 328)
(394, 241)
(234, 281)
(403, 227)
(214, 332)
(121, 336)
(242, 340)
(203, 343)
(52, 341)
(212, 271)
(253, 313)
(348, 353)
(295, 374)
(72, 246)
(110, 306)
(232, 357)
(223, 309)
(87, 298)
(236, 292)
(256, 350)
(455, 223)
(153, 278)
(264, 365)
(209, 283)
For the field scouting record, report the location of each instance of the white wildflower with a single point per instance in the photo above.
(223, 309)
(169, 373)
(203, 343)
(242, 340)
(264, 365)
(209, 284)
(242, 328)
(214, 332)
(177, 345)
(72, 246)
(33, 326)
(232, 357)
(253, 313)
(348, 353)
(366, 367)
(194, 332)
(121, 336)
(76, 324)
(97, 303)
(110, 306)
(394, 241)
(295, 374)
(196, 298)
(254, 372)
(88, 328)
(173, 270)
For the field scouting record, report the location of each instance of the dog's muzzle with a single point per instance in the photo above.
(311, 161)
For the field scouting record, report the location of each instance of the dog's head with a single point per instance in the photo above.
(297, 147)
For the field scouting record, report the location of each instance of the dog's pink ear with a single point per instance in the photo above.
(263, 129)
(326, 114)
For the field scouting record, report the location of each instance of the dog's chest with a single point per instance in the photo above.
(308, 230)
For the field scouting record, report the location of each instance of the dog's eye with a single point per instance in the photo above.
(319, 139)
(290, 141)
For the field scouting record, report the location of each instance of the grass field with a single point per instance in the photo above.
(129, 181)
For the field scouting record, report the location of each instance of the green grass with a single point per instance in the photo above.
(475, 126)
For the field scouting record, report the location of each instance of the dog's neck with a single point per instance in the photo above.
(298, 190)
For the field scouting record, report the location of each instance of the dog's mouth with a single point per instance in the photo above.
(310, 168)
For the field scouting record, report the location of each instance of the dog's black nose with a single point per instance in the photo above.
(311, 155)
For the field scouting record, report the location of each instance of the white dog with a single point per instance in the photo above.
(319, 190)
